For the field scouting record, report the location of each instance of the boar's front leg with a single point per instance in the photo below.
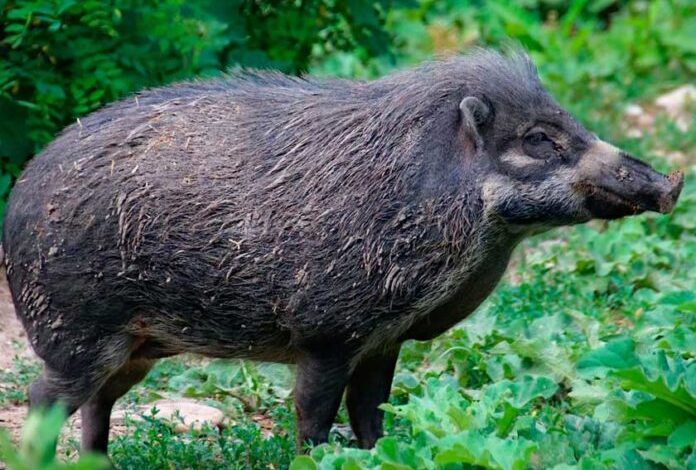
(369, 386)
(321, 378)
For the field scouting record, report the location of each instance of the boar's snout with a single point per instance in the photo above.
(621, 185)
(673, 184)
(646, 188)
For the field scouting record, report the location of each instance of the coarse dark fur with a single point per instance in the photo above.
(319, 222)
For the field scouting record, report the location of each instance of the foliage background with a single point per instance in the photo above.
(584, 356)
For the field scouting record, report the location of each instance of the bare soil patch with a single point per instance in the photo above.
(13, 339)
(13, 343)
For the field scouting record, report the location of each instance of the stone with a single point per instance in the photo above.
(677, 104)
(190, 414)
(637, 121)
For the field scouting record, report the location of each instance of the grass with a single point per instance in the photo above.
(240, 445)
(15, 381)
(583, 358)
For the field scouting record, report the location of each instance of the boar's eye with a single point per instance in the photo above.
(536, 138)
(538, 144)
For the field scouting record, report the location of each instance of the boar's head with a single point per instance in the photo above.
(540, 168)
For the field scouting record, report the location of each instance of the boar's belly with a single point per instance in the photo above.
(478, 286)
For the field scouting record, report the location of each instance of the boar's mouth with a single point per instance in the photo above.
(603, 203)
(631, 187)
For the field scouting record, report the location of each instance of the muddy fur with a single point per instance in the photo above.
(269, 217)
(244, 216)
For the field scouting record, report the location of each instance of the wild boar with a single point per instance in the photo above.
(310, 221)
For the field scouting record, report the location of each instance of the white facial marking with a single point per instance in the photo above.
(518, 160)
(496, 188)
(598, 157)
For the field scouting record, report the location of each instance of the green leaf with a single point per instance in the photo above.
(683, 436)
(617, 354)
(662, 455)
(470, 447)
(676, 394)
(522, 391)
(511, 454)
(40, 434)
(687, 307)
(303, 462)
(531, 387)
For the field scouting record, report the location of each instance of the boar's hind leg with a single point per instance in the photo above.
(52, 388)
(321, 379)
(368, 388)
(69, 390)
(96, 412)
(73, 379)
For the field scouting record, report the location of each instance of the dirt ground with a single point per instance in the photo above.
(13, 342)
(11, 331)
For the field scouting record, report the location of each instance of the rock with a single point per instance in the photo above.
(677, 104)
(634, 133)
(190, 414)
(638, 121)
(634, 110)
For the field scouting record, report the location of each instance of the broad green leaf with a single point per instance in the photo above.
(683, 436)
(470, 447)
(303, 462)
(520, 392)
(663, 455)
(617, 354)
(676, 393)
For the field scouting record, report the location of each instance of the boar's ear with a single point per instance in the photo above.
(474, 114)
